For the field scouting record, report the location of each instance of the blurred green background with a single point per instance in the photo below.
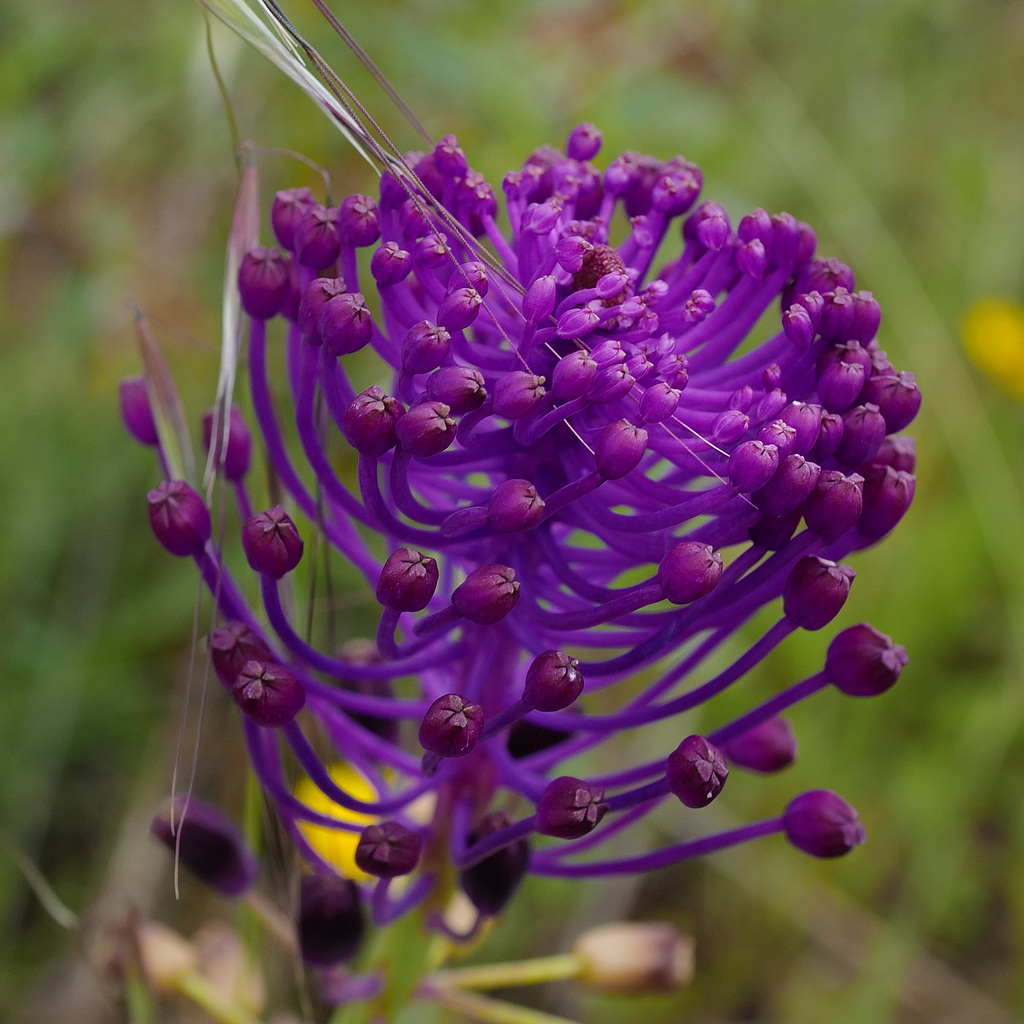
(895, 128)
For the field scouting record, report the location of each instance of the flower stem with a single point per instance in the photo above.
(509, 975)
(487, 1010)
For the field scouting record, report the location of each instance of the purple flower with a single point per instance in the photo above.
(563, 471)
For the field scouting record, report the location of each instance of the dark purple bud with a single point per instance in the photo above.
(269, 694)
(835, 504)
(773, 532)
(514, 506)
(179, 518)
(863, 434)
(539, 301)
(331, 922)
(822, 824)
(388, 850)
(461, 388)
(449, 158)
(488, 594)
(696, 772)
(570, 808)
(752, 464)
(814, 304)
(358, 221)
(839, 385)
(516, 393)
(789, 488)
(136, 412)
(887, 496)
(612, 383)
(751, 259)
(771, 378)
(861, 662)
(837, 315)
(271, 542)
(815, 592)
(389, 264)
(829, 436)
(757, 224)
(451, 726)
(315, 297)
(209, 845)
(471, 274)
(424, 347)
(583, 143)
(345, 325)
(785, 240)
(781, 435)
(408, 581)
(231, 646)
(770, 405)
(316, 238)
(897, 397)
(806, 421)
(619, 448)
(768, 747)
(553, 682)
(572, 375)
(674, 193)
(659, 402)
(426, 429)
(825, 276)
(867, 315)
(413, 217)
(263, 282)
(369, 422)
(493, 882)
(880, 363)
(431, 251)
(287, 211)
(729, 426)
(690, 570)
(238, 452)
(898, 452)
(459, 308)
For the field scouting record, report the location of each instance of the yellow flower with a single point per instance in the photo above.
(993, 336)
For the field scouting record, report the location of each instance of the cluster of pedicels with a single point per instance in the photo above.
(578, 468)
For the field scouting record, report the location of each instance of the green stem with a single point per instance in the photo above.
(485, 1009)
(205, 994)
(510, 975)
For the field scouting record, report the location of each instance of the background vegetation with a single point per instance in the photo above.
(894, 128)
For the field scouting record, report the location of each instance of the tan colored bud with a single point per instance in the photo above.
(164, 955)
(223, 960)
(632, 957)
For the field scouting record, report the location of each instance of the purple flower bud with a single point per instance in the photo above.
(752, 464)
(839, 385)
(271, 542)
(331, 923)
(867, 315)
(797, 326)
(771, 377)
(897, 397)
(619, 448)
(316, 241)
(673, 194)
(487, 595)
(696, 772)
(315, 297)
(806, 421)
(269, 694)
(425, 429)
(209, 845)
(390, 264)
(471, 274)
(459, 309)
(789, 488)
(888, 494)
(179, 518)
(238, 452)
(837, 314)
(286, 213)
(898, 452)
(825, 276)
(570, 808)
(136, 412)
(773, 532)
(576, 323)
(263, 282)
(431, 251)
(572, 375)
(861, 662)
(571, 252)
(358, 221)
(822, 824)
(768, 747)
(757, 224)
(424, 347)
(553, 682)
(451, 726)
(709, 225)
(369, 422)
(690, 570)
(863, 434)
(231, 646)
(345, 325)
(388, 850)
(514, 506)
(829, 436)
(835, 504)
(493, 882)
(779, 434)
(516, 393)
(612, 383)
(815, 592)
(408, 581)
(583, 143)
(539, 301)
(729, 426)
(659, 402)
(461, 388)
(751, 259)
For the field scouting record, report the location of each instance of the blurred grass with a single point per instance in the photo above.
(896, 129)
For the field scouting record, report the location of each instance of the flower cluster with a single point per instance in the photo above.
(577, 468)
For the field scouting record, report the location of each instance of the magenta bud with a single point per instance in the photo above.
(238, 452)
(331, 924)
(696, 772)
(766, 748)
(829, 436)
(516, 393)
(231, 646)
(570, 808)
(136, 411)
(316, 296)
(451, 726)
(690, 570)
(408, 581)
(756, 224)
(572, 375)
(493, 882)
(835, 504)
(358, 221)
(577, 323)
(426, 429)
(897, 397)
(539, 301)
(659, 402)
(822, 824)
(424, 347)
(583, 142)
(345, 325)
(390, 264)
(287, 211)
(837, 314)
(264, 282)
(863, 434)
(709, 225)
(867, 315)
(898, 452)
(789, 488)
(459, 309)
(271, 543)
(815, 592)
(316, 238)
(752, 464)
(487, 595)
(781, 435)
(619, 448)
(612, 383)
(179, 518)
(862, 662)
(388, 850)
(729, 426)
(839, 385)
(461, 388)
(431, 251)
(268, 693)
(751, 259)
(553, 682)
(806, 421)
(369, 422)
(514, 506)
